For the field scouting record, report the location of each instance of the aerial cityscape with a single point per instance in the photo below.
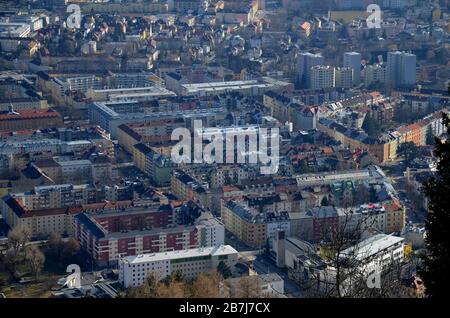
(258, 149)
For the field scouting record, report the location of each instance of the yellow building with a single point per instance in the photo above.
(278, 105)
(5, 187)
(395, 217)
(157, 166)
(243, 225)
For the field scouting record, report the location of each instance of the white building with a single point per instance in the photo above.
(305, 62)
(211, 230)
(134, 269)
(353, 60)
(401, 68)
(76, 170)
(322, 77)
(374, 73)
(246, 87)
(343, 77)
(376, 253)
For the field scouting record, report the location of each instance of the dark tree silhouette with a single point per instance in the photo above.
(436, 261)
(429, 136)
(409, 151)
(370, 126)
(224, 270)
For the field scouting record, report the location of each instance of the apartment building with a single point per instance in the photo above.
(41, 222)
(30, 119)
(343, 77)
(383, 148)
(58, 196)
(352, 60)
(374, 74)
(250, 226)
(133, 270)
(230, 174)
(155, 132)
(252, 88)
(305, 62)
(108, 230)
(110, 115)
(376, 253)
(157, 166)
(401, 69)
(322, 77)
(186, 187)
(19, 92)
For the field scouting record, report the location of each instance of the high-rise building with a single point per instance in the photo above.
(322, 77)
(374, 73)
(401, 68)
(343, 77)
(353, 60)
(305, 62)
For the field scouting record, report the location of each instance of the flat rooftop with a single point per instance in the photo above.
(372, 246)
(195, 252)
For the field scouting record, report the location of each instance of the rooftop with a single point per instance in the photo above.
(190, 253)
(372, 246)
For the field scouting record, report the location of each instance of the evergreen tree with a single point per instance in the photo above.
(224, 270)
(370, 126)
(436, 261)
(429, 137)
(409, 151)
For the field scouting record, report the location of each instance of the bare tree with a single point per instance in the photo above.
(171, 289)
(346, 273)
(342, 272)
(35, 259)
(206, 285)
(146, 290)
(18, 237)
(71, 248)
(249, 287)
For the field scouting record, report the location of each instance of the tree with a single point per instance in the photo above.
(70, 249)
(370, 126)
(409, 151)
(429, 136)
(303, 166)
(206, 285)
(177, 276)
(35, 259)
(171, 289)
(436, 261)
(18, 237)
(54, 248)
(146, 290)
(345, 270)
(224, 270)
(249, 287)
